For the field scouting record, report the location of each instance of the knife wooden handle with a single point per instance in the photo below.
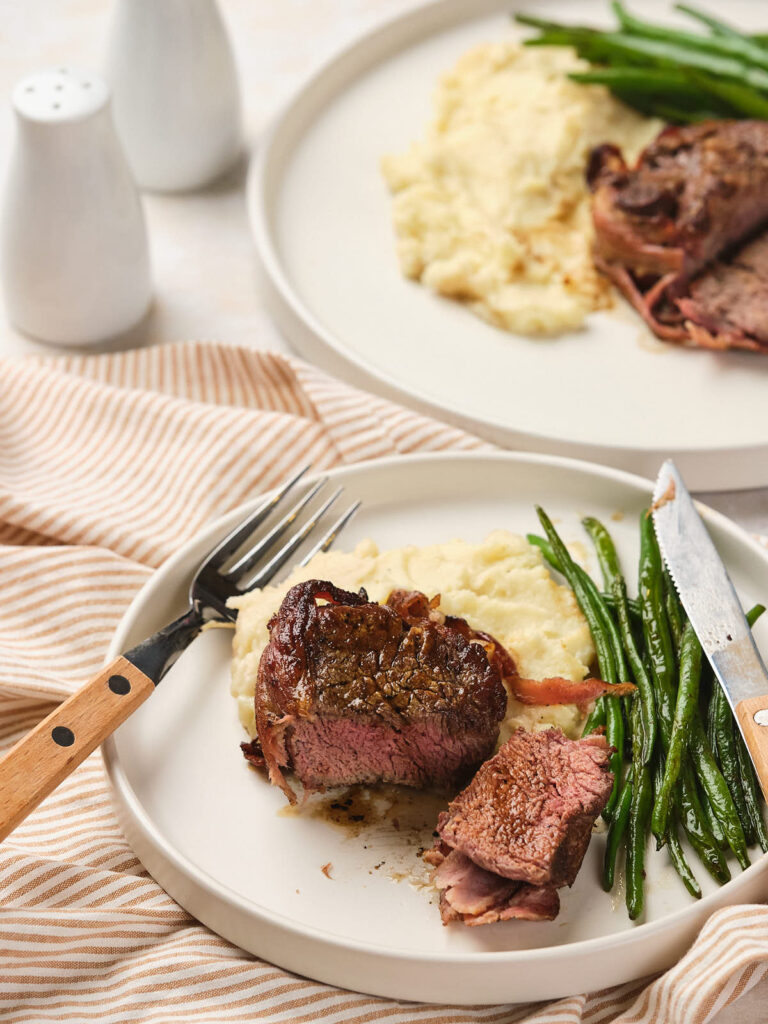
(753, 719)
(35, 766)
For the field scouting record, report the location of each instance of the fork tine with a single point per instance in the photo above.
(243, 531)
(281, 557)
(330, 536)
(254, 554)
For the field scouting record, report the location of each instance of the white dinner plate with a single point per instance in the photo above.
(321, 215)
(217, 837)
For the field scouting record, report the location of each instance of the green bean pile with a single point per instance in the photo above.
(680, 76)
(679, 762)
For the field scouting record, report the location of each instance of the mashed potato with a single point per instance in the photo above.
(500, 586)
(492, 207)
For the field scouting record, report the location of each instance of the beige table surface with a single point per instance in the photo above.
(205, 268)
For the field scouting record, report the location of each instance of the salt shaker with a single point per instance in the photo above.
(176, 93)
(73, 244)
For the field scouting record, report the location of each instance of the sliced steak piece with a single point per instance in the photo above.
(474, 896)
(727, 307)
(696, 194)
(528, 813)
(351, 691)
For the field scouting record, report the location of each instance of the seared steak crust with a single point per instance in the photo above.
(351, 691)
(696, 194)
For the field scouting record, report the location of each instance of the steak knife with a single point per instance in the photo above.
(714, 610)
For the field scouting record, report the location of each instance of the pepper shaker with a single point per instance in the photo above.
(176, 94)
(73, 243)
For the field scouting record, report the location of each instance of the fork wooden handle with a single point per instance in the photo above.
(36, 765)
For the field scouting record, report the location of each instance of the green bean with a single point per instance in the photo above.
(674, 609)
(712, 711)
(727, 757)
(546, 549)
(720, 28)
(721, 725)
(658, 640)
(616, 832)
(755, 612)
(679, 862)
(751, 793)
(717, 791)
(731, 46)
(712, 820)
(671, 839)
(644, 81)
(685, 706)
(613, 580)
(681, 75)
(606, 598)
(601, 610)
(634, 605)
(639, 815)
(585, 596)
(605, 549)
(742, 100)
(661, 53)
(694, 823)
(595, 719)
(606, 712)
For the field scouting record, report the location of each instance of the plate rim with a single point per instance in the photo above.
(125, 796)
(316, 342)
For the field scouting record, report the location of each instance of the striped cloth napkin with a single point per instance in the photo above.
(85, 933)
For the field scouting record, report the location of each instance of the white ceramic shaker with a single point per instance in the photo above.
(176, 93)
(73, 244)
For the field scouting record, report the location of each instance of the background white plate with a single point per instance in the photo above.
(215, 835)
(321, 215)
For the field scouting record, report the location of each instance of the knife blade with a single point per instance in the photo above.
(710, 601)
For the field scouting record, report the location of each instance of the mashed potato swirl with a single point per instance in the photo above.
(500, 586)
(492, 206)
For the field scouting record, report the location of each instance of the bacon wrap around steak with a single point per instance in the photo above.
(680, 233)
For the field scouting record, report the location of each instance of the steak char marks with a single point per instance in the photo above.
(520, 829)
(675, 231)
(352, 691)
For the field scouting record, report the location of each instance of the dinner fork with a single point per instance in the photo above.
(36, 765)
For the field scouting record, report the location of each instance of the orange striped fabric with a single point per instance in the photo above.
(85, 933)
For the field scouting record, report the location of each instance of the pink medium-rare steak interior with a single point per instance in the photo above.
(528, 813)
(351, 691)
(473, 896)
(332, 751)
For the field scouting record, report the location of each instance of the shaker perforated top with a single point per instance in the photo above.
(60, 94)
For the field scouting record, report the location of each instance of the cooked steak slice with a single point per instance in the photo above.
(694, 192)
(350, 691)
(528, 813)
(673, 232)
(474, 896)
(727, 307)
